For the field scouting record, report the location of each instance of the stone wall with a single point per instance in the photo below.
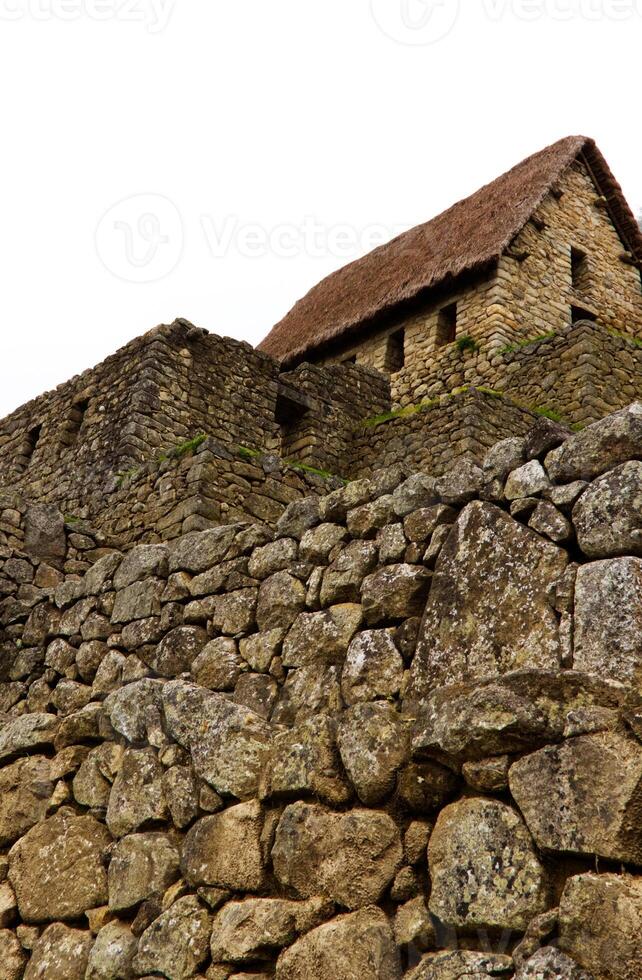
(396, 735)
(431, 437)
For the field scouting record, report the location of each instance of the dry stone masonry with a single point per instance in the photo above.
(395, 734)
(323, 661)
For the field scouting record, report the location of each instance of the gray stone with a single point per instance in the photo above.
(141, 865)
(460, 483)
(144, 561)
(112, 955)
(308, 691)
(276, 556)
(550, 964)
(506, 455)
(373, 668)
(419, 490)
(228, 742)
(466, 631)
(608, 619)
(135, 710)
(598, 447)
(318, 543)
(608, 515)
(601, 924)
(45, 532)
(201, 550)
(484, 868)
(583, 796)
(138, 601)
(281, 599)
(298, 517)
(60, 953)
(305, 762)
(374, 744)
(549, 521)
(57, 868)
(225, 849)
(321, 637)
(545, 435)
(395, 592)
(336, 505)
(349, 858)
(343, 578)
(176, 943)
(527, 480)
(32, 731)
(360, 945)
(136, 796)
(365, 521)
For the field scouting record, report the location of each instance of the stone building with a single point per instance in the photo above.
(549, 243)
(523, 300)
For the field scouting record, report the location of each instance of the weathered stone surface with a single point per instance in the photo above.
(228, 742)
(176, 943)
(550, 964)
(225, 849)
(374, 743)
(298, 517)
(373, 668)
(466, 632)
(584, 796)
(343, 578)
(180, 788)
(608, 619)
(253, 930)
(413, 925)
(307, 692)
(136, 796)
(608, 516)
(484, 868)
(57, 868)
(488, 775)
(461, 482)
(318, 543)
(518, 711)
(461, 965)
(281, 599)
(25, 789)
(135, 710)
(598, 447)
(549, 521)
(45, 532)
(60, 953)
(32, 731)
(305, 762)
(365, 521)
(360, 945)
(349, 858)
(144, 561)
(218, 666)
(321, 636)
(395, 592)
(12, 956)
(260, 649)
(601, 925)
(235, 612)
(138, 601)
(426, 786)
(527, 480)
(506, 455)
(178, 650)
(276, 556)
(141, 865)
(92, 783)
(201, 550)
(112, 955)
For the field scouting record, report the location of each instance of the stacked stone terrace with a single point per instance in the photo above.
(398, 734)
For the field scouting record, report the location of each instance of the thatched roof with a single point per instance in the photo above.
(464, 239)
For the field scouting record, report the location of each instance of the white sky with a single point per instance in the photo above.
(260, 144)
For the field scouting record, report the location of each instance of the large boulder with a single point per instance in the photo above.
(608, 619)
(57, 869)
(599, 447)
(608, 516)
(584, 796)
(224, 850)
(350, 858)
(515, 712)
(60, 953)
(229, 743)
(176, 943)
(489, 609)
(374, 742)
(600, 921)
(484, 867)
(359, 945)
(141, 865)
(25, 790)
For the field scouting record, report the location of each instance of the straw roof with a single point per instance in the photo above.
(462, 240)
